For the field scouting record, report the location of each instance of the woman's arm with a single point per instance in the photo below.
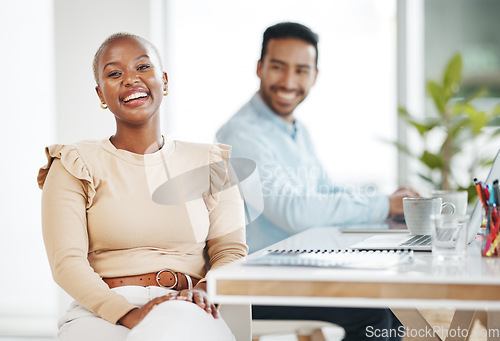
(64, 225)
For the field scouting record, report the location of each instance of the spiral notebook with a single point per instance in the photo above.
(337, 258)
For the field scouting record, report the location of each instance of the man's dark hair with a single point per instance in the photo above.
(289, 30)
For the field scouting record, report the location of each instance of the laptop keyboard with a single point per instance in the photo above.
(418, 240)
(424, 240)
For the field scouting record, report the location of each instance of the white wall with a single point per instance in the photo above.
(49, 97)
(80, 27)
(212, 58)
(210, 51)
(27, 122)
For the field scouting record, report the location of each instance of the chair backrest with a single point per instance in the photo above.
(239, 320)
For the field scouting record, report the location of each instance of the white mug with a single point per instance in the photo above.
(457, 198)
(418, 212)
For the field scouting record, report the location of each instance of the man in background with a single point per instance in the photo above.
(297, 192)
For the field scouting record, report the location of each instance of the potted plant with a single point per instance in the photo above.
(456, 129)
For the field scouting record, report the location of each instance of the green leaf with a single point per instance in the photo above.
(403, 148)
(437, 94)
(431, 160)
(403, 112)
(424, 125)
(471, 191)
(429, 180)
(496, 110)
(421, 128)
(460, 108)
(495, 121)
(485, 163)
(457, 125)
(481, 92)
(452, 76)
(478, 120)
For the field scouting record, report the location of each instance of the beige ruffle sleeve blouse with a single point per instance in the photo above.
(108, 212)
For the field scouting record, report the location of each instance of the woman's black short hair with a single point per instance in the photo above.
(289, 30)
(117, 36)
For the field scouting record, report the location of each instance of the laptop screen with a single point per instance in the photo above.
(395, 241)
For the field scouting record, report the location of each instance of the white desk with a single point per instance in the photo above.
(465, 287)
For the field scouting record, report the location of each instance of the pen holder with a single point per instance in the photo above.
(491, 241)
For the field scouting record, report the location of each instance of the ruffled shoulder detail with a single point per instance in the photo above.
(73, 162)
(219, 165)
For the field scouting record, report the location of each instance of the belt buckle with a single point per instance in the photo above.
(166, 287)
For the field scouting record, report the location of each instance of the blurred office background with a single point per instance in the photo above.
(374, 56)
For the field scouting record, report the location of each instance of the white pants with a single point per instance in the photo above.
(170, 320)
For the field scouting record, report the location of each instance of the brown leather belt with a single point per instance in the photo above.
(164, 278)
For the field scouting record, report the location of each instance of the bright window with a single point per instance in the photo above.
(211, 58)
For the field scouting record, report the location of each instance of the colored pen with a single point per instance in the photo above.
(496, 192)
(491, 195)
(495, 237)
(480, 192)
(490, 237)
(494, 220)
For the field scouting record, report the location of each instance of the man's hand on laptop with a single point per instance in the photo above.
(396, 200)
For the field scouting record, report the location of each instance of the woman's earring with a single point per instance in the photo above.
(165, 90)
(104, 106)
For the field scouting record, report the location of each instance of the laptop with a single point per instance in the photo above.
(393, 224)
(407, 241)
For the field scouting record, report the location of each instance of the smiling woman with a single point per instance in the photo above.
(131, 84)
(115, 251)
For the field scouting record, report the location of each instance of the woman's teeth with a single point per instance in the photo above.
(135, 96)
